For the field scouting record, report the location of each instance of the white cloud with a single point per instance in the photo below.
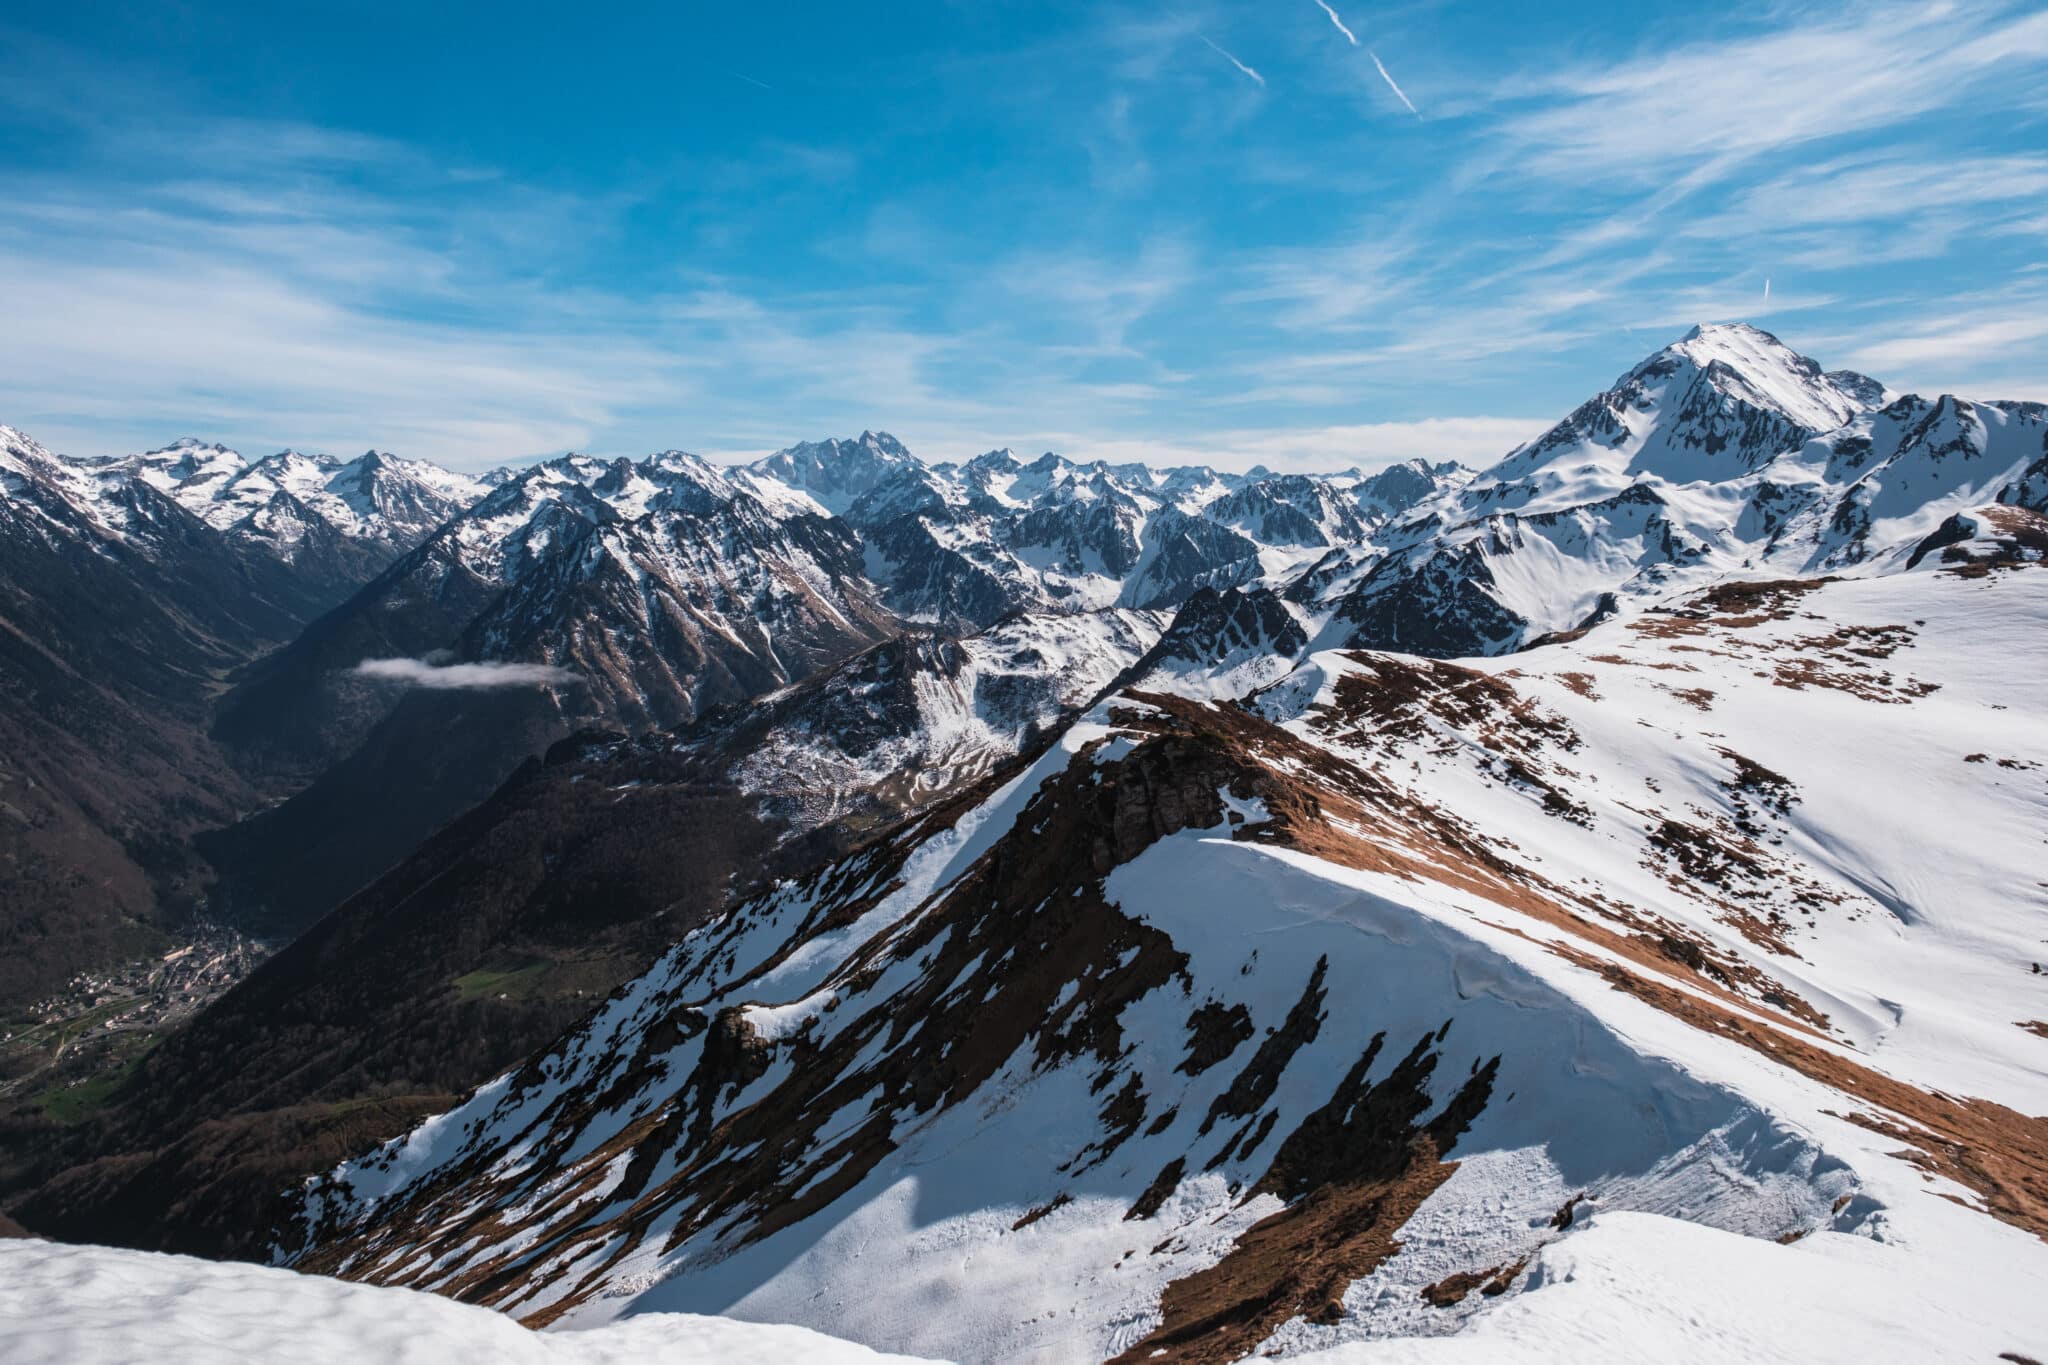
(463, 677)
(1879, 187)
(1102, 295)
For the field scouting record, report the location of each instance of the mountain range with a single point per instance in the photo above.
(1022, 908)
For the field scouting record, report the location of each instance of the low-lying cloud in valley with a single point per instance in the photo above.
(429, 672)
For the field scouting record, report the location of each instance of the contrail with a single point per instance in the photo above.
(751, 81)
(1391, 85)
(1234, 61)
(1767, 289)
(1338, 22)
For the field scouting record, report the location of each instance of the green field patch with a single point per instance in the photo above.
(80, 1100)
(514, 980)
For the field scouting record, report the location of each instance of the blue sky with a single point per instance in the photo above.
(1201, 230)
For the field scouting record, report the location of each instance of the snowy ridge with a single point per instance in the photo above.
(928, 713)
(282, 500)
(961, 545)
(1394, 1007)
(1724, 456)
(662, 588)
(41, 486)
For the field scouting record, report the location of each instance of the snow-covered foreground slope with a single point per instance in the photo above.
(1616, 991)
(79, 1305)
(1623, 1287)
(1631, 1287)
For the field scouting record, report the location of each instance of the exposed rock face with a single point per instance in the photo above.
(1224, 643)
(663, 585)
(1443, 604)
(834, 473)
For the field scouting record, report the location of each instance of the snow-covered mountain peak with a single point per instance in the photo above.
(1868, 392)
(1002, 457)
(1713, 406)
(835, 473)
(1398, 487)
(338, 522)
(192, 450)
(1754, 367)
(290, 459)
(18, 449)
(188, 468)
(31, 475)
(883, 444)
(1724, 453)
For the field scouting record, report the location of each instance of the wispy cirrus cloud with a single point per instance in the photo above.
(1719, 102)
(1103, 295)
(1934, 353)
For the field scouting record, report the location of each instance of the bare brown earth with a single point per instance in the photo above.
(1296, 1262)
(2019, 537)
(1354, 1172)
(1491, 1282)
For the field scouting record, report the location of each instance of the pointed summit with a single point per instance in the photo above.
(835, 473)
(1751, 366)
(1723, 400)
(884, 444)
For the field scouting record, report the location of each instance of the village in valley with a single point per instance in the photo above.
(68, 1051)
